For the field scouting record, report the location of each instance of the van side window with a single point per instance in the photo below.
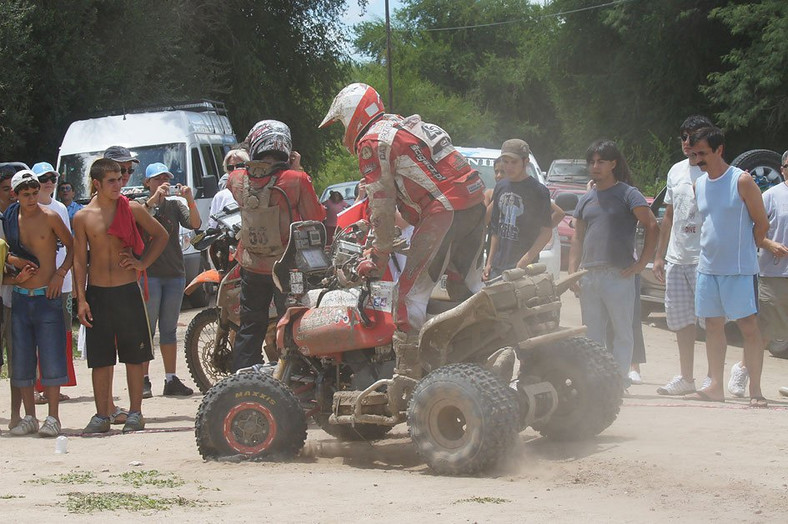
(210, 162)
(197, 167)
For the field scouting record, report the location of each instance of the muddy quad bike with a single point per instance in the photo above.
(211, 333)
(456, 388)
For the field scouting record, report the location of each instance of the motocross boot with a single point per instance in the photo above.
(407, 355)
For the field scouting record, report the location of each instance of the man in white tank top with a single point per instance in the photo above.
(733, 223)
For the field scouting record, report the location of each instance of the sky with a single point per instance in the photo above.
(375, 9)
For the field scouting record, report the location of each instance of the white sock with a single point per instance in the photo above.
(168, 377)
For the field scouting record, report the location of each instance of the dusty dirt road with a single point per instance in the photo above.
(663, 459)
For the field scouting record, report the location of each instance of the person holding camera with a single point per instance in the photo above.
(172, 205)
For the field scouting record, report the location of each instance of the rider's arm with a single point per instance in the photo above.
(309, 206)
(381, 191)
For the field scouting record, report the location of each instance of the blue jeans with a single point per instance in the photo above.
(164, 305)
(39, 335)
(607, 297)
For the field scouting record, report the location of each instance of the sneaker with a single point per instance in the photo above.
(147, 391)
(783, 391)
(134, 422)
(26, 426)
(706, 383)
(635, 378)
(50, 427)
(97, 425)
(738, 382)
(678, 385)
(176, 388)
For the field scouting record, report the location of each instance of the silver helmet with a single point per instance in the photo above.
(270, 137)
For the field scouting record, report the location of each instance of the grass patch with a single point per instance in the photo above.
(68, 478)
(483, 500)
(114, 501)
(152, 478)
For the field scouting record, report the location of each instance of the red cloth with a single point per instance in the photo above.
(125, 227)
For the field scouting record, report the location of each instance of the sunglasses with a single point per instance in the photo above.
(64, 189)
(123, 170)
(48, 178)
(233, 167)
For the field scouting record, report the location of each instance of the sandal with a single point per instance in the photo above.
(39, 398)
(119, 416)
(759, 402)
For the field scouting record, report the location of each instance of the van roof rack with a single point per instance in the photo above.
(198, 106)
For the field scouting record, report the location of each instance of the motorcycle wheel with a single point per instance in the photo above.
(207, 363)
(588, 384)
(348, 433)
(250, 414)
(462, 419)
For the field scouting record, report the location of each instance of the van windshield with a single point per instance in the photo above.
(76, 168)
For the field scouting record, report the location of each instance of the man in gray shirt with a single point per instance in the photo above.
(605, 222)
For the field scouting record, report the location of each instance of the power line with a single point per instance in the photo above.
(507, 22)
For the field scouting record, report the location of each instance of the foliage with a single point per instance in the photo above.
(750, 92)
(115, 501)
(276, 59)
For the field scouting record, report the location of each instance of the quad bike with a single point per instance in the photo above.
(211, 333)
(456, 388)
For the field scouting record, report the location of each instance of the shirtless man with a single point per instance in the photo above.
(39, 328)
(112, 308)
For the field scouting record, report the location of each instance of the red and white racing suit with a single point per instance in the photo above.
(412, 165)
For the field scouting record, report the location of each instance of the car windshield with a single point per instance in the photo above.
(76, 168)
(575, 171)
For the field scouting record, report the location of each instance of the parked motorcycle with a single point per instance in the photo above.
(456, 388)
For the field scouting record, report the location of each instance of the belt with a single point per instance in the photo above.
(37, 292)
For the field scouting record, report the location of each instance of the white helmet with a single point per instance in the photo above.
(270, 137)
(355, 106)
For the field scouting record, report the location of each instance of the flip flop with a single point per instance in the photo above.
(119, 416)
(703, 396)
(64, 397)
(39, 398)
(758, 402)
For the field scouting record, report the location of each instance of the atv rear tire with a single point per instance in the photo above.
(462, 419)
(588, 384)
(250, 414)
(348, 433)
(778, 348)
(207, 363)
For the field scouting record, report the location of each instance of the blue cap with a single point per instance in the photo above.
(156, 169)
(43, 168)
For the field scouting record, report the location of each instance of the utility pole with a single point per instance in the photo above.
(390, 106)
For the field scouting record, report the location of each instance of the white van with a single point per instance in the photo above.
(482, 160)
(191, 139)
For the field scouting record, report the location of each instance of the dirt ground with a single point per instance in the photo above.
(663, 459)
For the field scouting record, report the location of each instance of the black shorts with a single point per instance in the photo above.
(120, 326)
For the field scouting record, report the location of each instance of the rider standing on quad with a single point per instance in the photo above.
(272, 192)
(411, 165)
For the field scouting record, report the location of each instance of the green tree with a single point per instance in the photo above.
(750, 90)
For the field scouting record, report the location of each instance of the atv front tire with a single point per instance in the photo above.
(250, 414)
(588, 384)
(462, 419)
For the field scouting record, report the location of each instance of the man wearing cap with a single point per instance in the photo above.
(411, 166)
(521, 218)
(33, 232)
(125, 159)
(167, 275)
(47, 177)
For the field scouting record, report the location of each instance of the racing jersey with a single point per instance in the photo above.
(412, 165)
(295, 196)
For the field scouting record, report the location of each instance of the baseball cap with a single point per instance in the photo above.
(156, 169)
(43, 168)
(21, 177)
(515, 148)
(120, 154)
